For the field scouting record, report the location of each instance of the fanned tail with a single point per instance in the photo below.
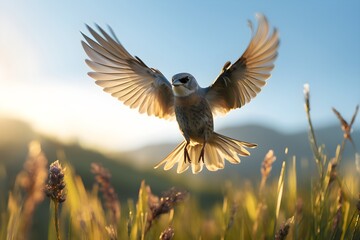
(217, 149)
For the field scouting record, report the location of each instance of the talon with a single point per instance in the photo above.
(186, 154)
(201, 157)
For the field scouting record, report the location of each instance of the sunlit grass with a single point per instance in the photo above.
(328, 207)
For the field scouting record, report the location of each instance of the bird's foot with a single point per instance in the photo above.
(186, 154)
(201, 157)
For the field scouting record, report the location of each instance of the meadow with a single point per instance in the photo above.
(326, 206)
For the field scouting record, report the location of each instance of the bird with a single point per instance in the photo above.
(146, 89)
(345, 126)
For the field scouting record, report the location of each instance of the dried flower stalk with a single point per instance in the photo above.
(55, 189)
(266, 167)
(31, 180)
(112, 203)
(284, 229)
(167, 234)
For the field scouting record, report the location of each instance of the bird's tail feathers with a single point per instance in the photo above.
(217, 149)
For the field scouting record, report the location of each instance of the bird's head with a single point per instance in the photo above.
(184, 84)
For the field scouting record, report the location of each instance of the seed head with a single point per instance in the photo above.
(167, 234)
(112, 203)
(284, 229)
(166, 202)
(266, 165)
(32, 178)
(31, 181)
(307, 96)
(55, 187)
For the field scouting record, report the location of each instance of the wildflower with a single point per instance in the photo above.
(56, 185)
(345, 126)
(284, 229)
(102, 177)
(167, 234)
(32, 180)
(55, 189)
(166, 202)
(33, 176)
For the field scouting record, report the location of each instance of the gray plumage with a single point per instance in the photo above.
(129, 79)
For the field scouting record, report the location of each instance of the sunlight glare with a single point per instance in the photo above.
(87, 116)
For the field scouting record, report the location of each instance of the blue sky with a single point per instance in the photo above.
(43, 75)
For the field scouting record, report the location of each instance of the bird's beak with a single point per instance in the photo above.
(176, 83)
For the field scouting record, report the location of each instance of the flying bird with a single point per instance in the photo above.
(146, 89)
(345, 126)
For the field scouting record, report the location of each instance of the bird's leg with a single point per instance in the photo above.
(201, 157)
(186, 153)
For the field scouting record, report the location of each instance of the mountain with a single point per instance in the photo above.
(266, 138)
(129, 168)
(15, 136)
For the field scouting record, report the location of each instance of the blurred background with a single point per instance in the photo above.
(45, 93)
(47, 96)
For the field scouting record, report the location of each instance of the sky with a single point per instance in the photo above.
(43, 76)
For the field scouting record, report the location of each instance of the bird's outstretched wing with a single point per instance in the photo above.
(354, 116)
(126, 77)
(343, 122)
(241, 81)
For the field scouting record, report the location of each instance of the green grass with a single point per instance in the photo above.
(326, 206)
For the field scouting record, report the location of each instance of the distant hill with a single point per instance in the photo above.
(129, 168)
(266, 138)
(15, 136)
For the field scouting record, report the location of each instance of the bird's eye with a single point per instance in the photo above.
(184, 79)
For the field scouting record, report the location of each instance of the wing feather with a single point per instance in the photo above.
(354, 116)
(238, 83)
(98, 67)
(127, 78)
